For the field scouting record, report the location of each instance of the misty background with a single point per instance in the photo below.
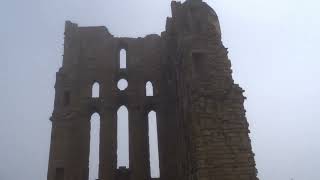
(274, 50)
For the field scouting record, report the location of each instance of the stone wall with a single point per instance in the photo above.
(202, 128)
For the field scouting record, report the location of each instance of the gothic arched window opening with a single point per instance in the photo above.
(122, 137)
(149, 89)
(95, 90)
(94, 146)
(153, 145)
(123, 59)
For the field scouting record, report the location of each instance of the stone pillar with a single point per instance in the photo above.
(58, 149)
(108, 145)
(77, 158)
(138, 144)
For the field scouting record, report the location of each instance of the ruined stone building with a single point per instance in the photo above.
(201, 125)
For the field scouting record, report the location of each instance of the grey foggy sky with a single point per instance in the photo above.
(274, 50)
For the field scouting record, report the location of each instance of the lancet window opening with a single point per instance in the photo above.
(123, 59)
(149, 89)
(123, 137)
(95, 91)
(153, 145)
(94, 146)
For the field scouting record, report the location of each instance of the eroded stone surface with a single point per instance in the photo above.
(202, 128)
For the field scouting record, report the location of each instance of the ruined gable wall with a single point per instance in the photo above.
(202, 129)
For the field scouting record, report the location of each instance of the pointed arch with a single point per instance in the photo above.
(94, 146)
(123, 58)
(95, 91)
(123, 137)
(149, 89)
(153, 145)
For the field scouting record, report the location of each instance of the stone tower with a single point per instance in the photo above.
(202, 128)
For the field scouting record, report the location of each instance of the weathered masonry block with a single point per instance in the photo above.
(202, 128)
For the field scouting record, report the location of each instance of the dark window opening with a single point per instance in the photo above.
(199, 64)
(66, 98)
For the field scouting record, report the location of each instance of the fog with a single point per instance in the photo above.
(273, 45)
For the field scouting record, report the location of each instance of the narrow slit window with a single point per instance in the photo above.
(122, 137)
(123, 59)
(153, 145)
(199, 64)
(94, 146)
(66, 98)
(95, 90)
(149, 89)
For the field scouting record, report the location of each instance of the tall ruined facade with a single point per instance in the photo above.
(202, 128)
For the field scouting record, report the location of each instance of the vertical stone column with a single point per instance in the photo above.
(58, 149)
(108, 144)
(77, 157)
(167, 142)
(66, 152)
(138, 144)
